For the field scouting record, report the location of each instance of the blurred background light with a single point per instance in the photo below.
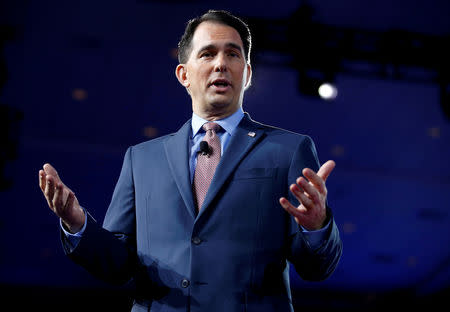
(328, 91)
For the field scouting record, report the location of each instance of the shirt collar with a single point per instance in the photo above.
(228, 124)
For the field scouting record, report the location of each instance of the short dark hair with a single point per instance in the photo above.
(218, 16)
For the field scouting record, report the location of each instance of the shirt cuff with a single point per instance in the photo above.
(317, 237)
(72, 239)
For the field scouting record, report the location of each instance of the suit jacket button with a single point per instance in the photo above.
(196, 240)
(185, 283)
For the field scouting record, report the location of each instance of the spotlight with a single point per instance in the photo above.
(327, 91)
(317, 83)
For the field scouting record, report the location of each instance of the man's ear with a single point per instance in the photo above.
(248, 80)
(182, 75)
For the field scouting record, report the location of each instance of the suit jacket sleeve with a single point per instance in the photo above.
(109, 252)
(311, 264)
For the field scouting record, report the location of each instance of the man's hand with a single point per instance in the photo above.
(61, 199)
(312, 195)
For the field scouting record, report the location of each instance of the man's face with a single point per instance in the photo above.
(216, 72)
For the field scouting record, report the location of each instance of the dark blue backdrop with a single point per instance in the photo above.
(93, 77)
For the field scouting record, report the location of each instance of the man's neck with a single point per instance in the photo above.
(228, 124)
(215, 115)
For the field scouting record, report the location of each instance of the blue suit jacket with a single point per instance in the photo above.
(233, 255)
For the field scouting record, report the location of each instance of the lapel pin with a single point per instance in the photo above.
(251, 134)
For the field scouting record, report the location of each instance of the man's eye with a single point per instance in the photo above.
(234, 54)
(206, 54)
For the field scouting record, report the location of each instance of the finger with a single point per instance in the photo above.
(326, 169)
(42, 180)
(316, 180)
(49, 191)
(291, 209)
(58, 199)
(50, 170)
(309, 189)
(301, 196)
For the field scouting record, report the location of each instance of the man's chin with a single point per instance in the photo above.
(221, 106)
(220, 101)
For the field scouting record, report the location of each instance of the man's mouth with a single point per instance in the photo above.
(220, 84)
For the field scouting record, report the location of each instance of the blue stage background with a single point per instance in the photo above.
(93, 77)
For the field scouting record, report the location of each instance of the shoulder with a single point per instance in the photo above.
(283, 135)
(153, 143)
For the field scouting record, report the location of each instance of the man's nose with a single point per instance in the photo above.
(221, 63)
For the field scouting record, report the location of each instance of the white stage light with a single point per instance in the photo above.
(327, 91)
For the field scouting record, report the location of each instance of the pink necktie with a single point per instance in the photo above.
(206, 164)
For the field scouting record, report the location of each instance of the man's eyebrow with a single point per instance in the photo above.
(213, 47)
(207, 47)
(234, 46)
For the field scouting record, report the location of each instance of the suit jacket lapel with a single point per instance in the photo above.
(177, 152)
(245, 136)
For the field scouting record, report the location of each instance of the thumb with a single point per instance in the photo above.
(326, 169)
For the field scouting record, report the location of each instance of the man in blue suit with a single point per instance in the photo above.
(223, 243)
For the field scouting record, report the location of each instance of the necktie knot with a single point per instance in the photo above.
(211, 126)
